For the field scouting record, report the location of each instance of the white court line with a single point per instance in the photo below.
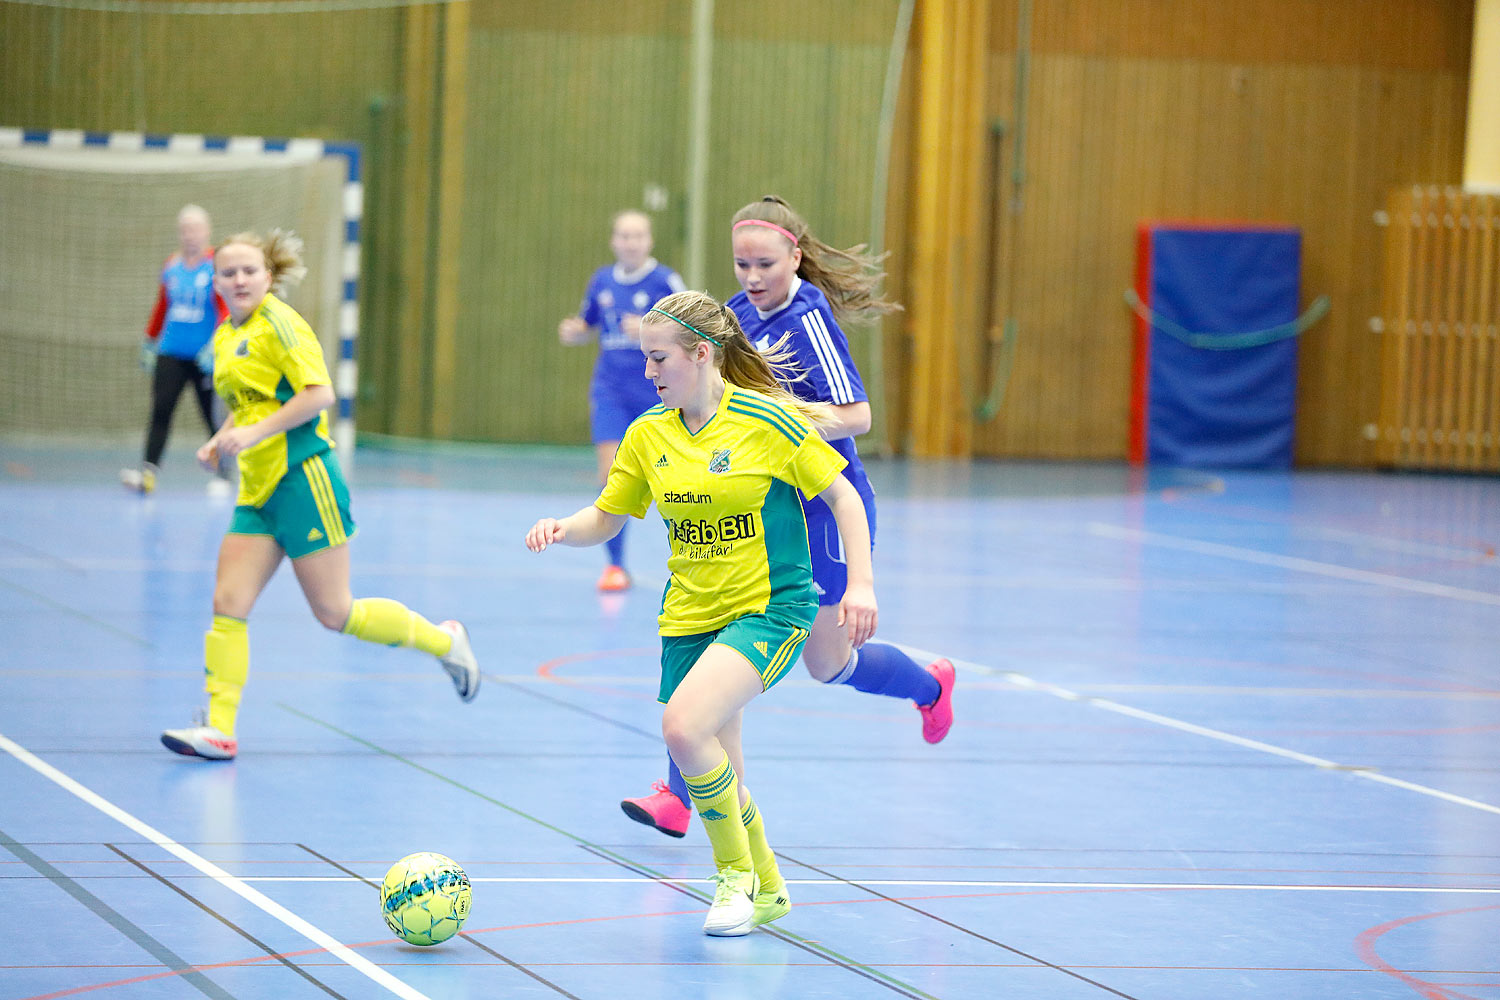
(1294, 563)
(939, 883)
(236, 885)
(1358, 771)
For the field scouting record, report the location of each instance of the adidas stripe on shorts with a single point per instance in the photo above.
(771, 641)
(307, 513)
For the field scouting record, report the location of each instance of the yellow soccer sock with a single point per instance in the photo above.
(760, 850)
(716, 794)
(391, 623)
(226, 664)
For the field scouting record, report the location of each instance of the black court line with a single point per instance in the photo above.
(481, 946)
(81, 615)
(519, 967)
(119, 922)
(32, 550)
(347, 871)
(563, 703)
(828, 954)
(818, 951)
(227, 923)
(958, 927)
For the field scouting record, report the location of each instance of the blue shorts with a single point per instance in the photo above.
(830, 572)
(616, 397)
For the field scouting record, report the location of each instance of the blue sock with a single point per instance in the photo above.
(675, 782)
(616, 548)
(879, 668)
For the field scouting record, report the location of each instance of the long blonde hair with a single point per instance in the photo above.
(849, 278)
(282, 250)
(733, 355)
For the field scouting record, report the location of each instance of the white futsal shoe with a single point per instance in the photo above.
(733, 912)
(141, 480)
(459, 661)
(201, 740)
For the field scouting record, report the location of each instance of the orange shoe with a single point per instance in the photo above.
(614, 579)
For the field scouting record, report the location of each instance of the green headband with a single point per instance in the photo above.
(684, 323)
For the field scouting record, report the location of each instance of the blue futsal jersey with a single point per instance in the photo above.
(619, 391)
(188, 310)
(614, 293)
(822, 356)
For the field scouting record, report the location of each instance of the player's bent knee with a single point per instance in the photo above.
(231, 603)
(821, 668)
(682, 736)
(331, 617)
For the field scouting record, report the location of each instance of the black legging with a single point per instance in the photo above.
(171, 375)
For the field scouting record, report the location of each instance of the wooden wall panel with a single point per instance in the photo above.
(565, 128)
(1396, 34)
(242, 74)
(1121, 128)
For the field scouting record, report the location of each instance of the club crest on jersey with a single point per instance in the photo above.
(718, 462)
(242, 349)
(641, 300)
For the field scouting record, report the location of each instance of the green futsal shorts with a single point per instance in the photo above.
(308, 512)
(771, 642)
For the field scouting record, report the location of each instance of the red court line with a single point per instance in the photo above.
(260, 959)
(1364, 944)
(550, 667)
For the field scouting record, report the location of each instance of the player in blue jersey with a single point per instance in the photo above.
(618, 295)
(726, 457)
(177, 338)
(794, 290)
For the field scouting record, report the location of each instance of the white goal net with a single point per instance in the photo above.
(84, 232)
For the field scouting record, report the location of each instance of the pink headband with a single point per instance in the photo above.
(769, 225)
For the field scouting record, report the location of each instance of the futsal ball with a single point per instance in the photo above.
(425, 898)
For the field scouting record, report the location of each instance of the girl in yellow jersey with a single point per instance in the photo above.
(724, 457)
(268, 367)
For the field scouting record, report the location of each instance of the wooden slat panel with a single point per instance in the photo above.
(1486, 417)
(1439, 380)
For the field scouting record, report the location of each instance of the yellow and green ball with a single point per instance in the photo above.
(425, 898)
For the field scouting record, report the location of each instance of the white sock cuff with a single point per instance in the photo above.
(842, 677)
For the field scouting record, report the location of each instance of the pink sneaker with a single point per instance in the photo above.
(937, 718)
(661, 809)
(614, 579)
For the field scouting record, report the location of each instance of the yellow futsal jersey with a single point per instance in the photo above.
(258, 366)
(728, 495)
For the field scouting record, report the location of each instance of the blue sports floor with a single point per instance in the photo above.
(1220, 737)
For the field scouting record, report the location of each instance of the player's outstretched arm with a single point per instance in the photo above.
(586, 527)
(857, 611)
(572, 331)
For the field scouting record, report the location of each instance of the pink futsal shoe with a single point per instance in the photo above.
(661, 809)
(201, 740)
(614, 580)
(937, 718)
